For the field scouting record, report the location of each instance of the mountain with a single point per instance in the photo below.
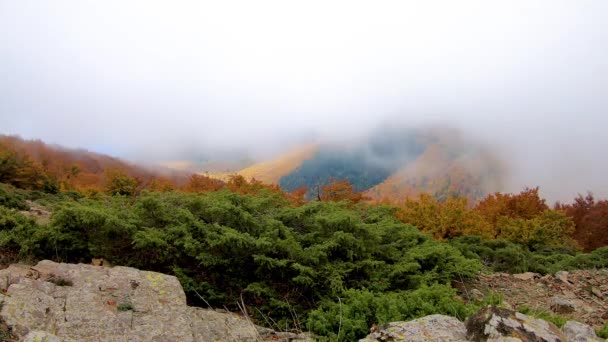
(40, 164)
(271, 171)
(391, 163)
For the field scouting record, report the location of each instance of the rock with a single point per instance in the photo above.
(562, 276)
(579, 332)
(527, 276)
(562, 305)
(597, 292)
(40, 336)
(93, 303)
(437, 328)
(477, 295)
(497, 324)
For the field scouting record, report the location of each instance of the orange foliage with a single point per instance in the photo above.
(200, 183)
(444, 171)
(118, 182)
(525, 205)
(444, 220)
(19, 169)
(161, 184)
(298, 196)
(591, 221)
(239, 185)
(340, 190)
(45, 165)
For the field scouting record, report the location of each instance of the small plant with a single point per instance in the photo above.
(125, 306)
(558, 320)
(603, 332)
(6, 333)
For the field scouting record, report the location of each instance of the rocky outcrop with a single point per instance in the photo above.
(489, 324)
(579, 332)
(580, 295)
(494, 323)
(58, 302)
(434, 328)
(69, 302)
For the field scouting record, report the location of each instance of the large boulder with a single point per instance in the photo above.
(579, 332)
(562, 305)
(61, 302)
(497, 324)
(432, 328)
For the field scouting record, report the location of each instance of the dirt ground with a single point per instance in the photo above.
(581, 295)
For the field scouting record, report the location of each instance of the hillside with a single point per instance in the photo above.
(48, 165)
(271, 171)
(390, 164)
(335, 269)
(443, 175)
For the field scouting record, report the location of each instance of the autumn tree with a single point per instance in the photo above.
(551, 228)
(525, 205)
(200, 183)
(161, 184)
(18, 169)
(297, 197)
(591, 221)
(238, 184)
(444, 220)
(339, 190)
(118, 182)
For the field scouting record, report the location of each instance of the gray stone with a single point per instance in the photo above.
(497, 324)
(579, 332)
(562, 305)
(527, 276)
(40, 336)
(438, 328)
(597, 292)
(562, 276)
(109, 304)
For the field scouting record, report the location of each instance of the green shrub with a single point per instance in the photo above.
(350, 317)
(125, 306)
(505, 256)
(278, 258)
(603, 332)
(11, 197)
(21, 234)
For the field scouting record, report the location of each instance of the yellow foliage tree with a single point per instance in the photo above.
(449, 219)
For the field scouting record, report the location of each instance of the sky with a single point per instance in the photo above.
(156, 80)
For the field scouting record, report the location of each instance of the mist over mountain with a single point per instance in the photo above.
(208, 83)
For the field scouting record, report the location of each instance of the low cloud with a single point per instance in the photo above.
(152, 81)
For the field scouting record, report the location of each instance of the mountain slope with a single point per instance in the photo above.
(271, 171)
(442, 175)
(76, 169)
(391, 163)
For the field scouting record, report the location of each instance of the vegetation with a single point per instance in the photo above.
(548, 316)
(603, 332)
(363, 164)
(285, 261)
(317, 171)
(334, 265)
(126, 306)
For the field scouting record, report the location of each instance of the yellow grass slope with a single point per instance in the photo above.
(272, 170)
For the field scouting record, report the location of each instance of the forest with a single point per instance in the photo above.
(333, 265)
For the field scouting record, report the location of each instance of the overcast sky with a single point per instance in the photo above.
(145, 79)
